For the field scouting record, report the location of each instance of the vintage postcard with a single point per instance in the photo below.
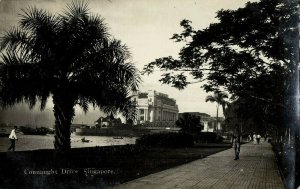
(149, 94)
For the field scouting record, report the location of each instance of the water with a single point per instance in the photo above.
(35, 142)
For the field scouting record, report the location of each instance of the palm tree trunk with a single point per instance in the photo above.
(63, 113)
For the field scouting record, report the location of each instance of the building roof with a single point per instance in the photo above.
(198, 114)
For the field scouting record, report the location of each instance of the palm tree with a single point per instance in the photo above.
(70, 57)
(218, 97)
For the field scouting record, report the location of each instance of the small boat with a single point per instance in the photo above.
(118, 137)
(84, 140)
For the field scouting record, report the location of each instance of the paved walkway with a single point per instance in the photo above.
(256, 169)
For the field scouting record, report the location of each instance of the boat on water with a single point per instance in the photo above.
(84, 140)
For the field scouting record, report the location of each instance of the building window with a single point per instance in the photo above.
(142, 118)
(141, 111)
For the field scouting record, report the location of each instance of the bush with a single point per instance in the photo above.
(166, 140)
(209, 137)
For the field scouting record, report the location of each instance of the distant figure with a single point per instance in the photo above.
(13, 138)
(237, 141)
(237, 147)
(254, 138)
(249, 138)
(84, 140)
(258, 138)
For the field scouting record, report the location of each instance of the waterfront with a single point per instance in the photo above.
(35, 142)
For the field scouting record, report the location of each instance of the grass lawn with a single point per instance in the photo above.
(95, 167)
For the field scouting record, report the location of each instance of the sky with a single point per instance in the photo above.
(146, 27)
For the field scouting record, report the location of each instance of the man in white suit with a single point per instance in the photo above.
(13, 138)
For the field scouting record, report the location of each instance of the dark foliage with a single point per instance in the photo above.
(189, 123)
(209, 137)
(243, 47)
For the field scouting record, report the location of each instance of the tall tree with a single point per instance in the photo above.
(189, 123)
(245, 44)
(71, 57)
(218, 97)
(257, 42)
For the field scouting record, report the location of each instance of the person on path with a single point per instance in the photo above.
(258, 138)
(13, 138)
(249, 138)
(236, 146)
(237, 142)
(254, 138)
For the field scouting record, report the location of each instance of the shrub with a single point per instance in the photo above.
(166, 140)
(209, 137)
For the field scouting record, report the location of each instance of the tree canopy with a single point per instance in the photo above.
(189, 123)
(245, 45)
(71, 57)
(219, 98)
(250, 52)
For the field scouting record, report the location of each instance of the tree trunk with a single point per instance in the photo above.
(63, 113)
(217, 118)
(292, 100)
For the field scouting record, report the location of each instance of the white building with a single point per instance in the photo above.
(156, 109)
(210, 124)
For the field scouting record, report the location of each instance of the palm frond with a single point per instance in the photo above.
(21, 82)
(210, 98)
(83, 102)
(222, 95)
(125, 72)
(128, 76)
(97, 27)
(76, 9)
(11, 58)
(14, 39)
(218, 97)
(42, 29)
(33, 18)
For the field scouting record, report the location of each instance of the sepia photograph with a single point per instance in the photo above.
(154, 94)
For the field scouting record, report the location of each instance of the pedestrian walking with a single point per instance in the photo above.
(237, 142)
(237, 147)
(13, 138)
(254, 138)
(258, 138)
(249, 138)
